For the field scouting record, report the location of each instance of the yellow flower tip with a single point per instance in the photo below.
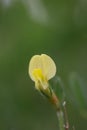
(41, 68)
(40, 79)
(37, 74)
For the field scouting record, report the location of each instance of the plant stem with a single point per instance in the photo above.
(55, 101)
(60, 119)
(66, 116)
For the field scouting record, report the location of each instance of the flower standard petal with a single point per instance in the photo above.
(35, 63)
(49, 67)
(43, 62)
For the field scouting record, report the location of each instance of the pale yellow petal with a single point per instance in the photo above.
(35, 63)
(49, 67)
(43, 62)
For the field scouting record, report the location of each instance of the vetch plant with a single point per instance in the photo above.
(41, 69)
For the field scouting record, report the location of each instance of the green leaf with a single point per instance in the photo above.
(77, 91)
(58, 87)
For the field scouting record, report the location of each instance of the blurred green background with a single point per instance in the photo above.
(57, 28)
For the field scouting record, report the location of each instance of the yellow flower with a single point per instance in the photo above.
(41, 69)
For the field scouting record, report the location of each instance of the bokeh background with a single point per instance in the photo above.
(54, 27)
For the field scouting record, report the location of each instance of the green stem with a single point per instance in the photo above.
(60, 119)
